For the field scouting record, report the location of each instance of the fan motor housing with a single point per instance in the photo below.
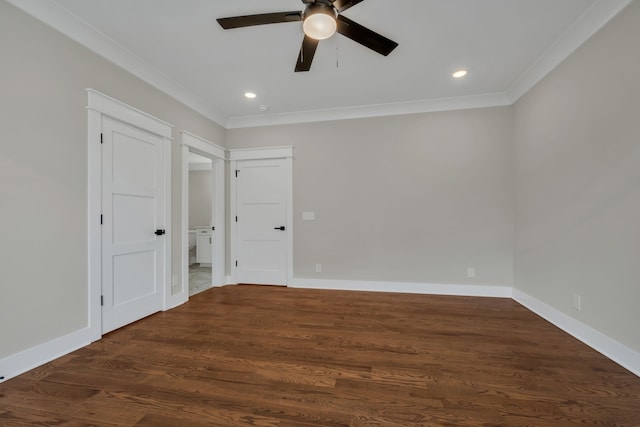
(320, 7)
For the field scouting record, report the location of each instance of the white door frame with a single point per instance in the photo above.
(286, 153)
(99, 106)
(195, 144)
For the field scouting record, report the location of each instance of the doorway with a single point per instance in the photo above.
(200, 223)
(203, 221)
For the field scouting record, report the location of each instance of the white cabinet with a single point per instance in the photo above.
(203, 246)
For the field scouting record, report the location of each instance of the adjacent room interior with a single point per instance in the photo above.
(200, 223)
(425, 216)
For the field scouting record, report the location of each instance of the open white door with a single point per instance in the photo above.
(133, 235)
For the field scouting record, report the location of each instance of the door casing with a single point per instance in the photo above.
(99, 106)
(216, 153)
(236, 155)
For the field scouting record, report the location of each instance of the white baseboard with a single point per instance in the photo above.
(33, 357)
(619, 353)
(227, 280)
(404, 287)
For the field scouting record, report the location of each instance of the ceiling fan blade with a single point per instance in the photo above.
(365, 36)
(307, 51)
(342, 5)
(261, 19)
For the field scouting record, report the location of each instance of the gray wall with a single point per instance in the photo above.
(200, 190)
(43, 174)
(415, 198)
(578, 183)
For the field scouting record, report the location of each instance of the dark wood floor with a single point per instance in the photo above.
(269, 356)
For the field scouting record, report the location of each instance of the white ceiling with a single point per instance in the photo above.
(176, 45)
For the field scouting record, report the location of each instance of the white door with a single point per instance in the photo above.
(261, 199)
(132, 210)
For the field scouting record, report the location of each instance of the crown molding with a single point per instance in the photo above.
(60, 19)
(587, 25)
(367, 111)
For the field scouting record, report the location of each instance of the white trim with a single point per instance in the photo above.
(367, 111)
(127, 114)
(18, 363)
(612, 349)
(94, 209)
(289, 224)
(261, 153)
(588, 24)
(168, 301)
(100, 105)
(219, 213)
(217, 154)
(184, 226)
(404, 287)
(56, 16)
(204, 145)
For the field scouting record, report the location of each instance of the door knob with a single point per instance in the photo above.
(159, 232)
(279, 228)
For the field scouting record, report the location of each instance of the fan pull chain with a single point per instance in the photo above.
(337, 52)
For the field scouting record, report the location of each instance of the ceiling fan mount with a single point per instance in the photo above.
(320, 20)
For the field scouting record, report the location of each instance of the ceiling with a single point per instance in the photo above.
(177, 46)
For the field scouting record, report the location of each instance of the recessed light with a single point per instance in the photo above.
(459, 74)
(250, 95)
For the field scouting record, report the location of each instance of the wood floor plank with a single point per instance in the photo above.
(279, 357)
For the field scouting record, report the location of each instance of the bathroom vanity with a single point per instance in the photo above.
(204, 246)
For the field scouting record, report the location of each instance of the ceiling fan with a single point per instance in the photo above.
(320, 20)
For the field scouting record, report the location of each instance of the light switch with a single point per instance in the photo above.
(308, 216)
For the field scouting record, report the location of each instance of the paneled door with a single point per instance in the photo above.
(133, 240)
(261, 207)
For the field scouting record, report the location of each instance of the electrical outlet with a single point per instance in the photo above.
(318, 268)
(577, 303)
(471, 272)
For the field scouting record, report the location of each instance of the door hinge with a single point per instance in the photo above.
(213, 229)
(236, 263)
(237, 170)
(100, 219)
(101, 300)
(236, 218)
(101, 141)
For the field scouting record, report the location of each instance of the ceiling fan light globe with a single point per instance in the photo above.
(319, 25)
